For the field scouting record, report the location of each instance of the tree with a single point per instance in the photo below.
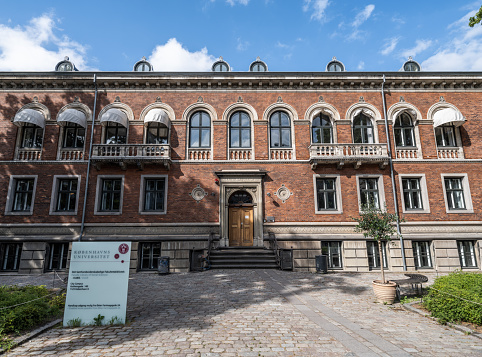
(476, 19)
(376, 223)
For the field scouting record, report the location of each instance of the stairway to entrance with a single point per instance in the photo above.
(243, 258)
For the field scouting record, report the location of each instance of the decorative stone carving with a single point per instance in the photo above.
(283, 193)
(362, 100)
(117, 99)
(442, 99)
(321, 100)
(200, 99)
(158, 100)
(280, 100)
(35, 99)
(402, 100)
(240, 99)
(198, 193)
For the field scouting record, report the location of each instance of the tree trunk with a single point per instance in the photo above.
(381, 260)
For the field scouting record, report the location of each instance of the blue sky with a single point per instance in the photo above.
(289, 35)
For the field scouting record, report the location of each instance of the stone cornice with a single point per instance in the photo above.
(241, 81)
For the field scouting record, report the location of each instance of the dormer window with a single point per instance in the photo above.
(65, 66)
(143, 66)
(411, 66)
(335, 66)
(258, 66)
(221, 66)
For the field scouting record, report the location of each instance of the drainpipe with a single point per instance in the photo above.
(392, 176)
(82, 226)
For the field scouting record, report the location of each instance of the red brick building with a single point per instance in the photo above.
(176, 158)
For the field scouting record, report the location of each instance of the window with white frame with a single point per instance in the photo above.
(239, 130)
(21, 195)
(149, 254)
(56, 256)
(10, 254)
(467, 253)
(414, 193)
(421, 254)
(153, 197)
(74, 136)
(404, 131)
(332, 250)
(115, 133)
(368, 189)
(445, 135)
(374, 254)
(200, 130)
(327, 194)
(280, 130)
(157, 133)
(363, 130)
(65, 195)
(457, 193)
(321, 130)
(110, 190)
(32, 136)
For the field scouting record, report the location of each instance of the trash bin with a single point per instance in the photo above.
(196, 259)
(321, 264)
(163, 265)
(286, 259)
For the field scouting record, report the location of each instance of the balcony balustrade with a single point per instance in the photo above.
(450, 153)
(71, 154)
(29, 154)
(199, 154)
(356, 154)
(281, 154)
(240, 154)
(138, 154)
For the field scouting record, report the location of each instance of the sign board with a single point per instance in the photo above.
(98, 281)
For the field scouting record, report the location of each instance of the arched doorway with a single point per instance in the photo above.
(240, 219)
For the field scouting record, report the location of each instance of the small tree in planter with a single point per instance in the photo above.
(377, 223)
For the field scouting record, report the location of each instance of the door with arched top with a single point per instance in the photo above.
(240, 219)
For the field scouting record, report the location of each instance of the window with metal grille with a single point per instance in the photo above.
(467, 253)
(374, 255)
(455, 193)
(333, 252)
(321, 130)
(421, 254)
(57, 256)
(326, 194)
(412, 194)
(149, 254)
(10, 256)
(239, 130)
(369, 195)
(280, 130)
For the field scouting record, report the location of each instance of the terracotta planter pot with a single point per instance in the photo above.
(385, 293)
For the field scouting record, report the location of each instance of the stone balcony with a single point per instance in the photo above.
(138, 154)
(356, 154)
(28, 154)
(450, 152)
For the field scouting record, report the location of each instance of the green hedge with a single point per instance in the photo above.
(446, 296)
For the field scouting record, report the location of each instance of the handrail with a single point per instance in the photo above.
(274, 242)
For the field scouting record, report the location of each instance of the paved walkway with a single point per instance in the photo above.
(254, 313)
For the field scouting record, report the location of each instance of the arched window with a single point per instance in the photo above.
(74, 136)
(32, 136)
(321, 130)
(239, 198)
(115, 133)
(239, 130)
(362, 129)
(157, 133)
(280, 130)
(404, 131)
(445, 135)
(200, 130)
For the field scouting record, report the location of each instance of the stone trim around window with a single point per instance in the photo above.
(98, 193)
(423, 189)
(55, 195)
(466, 190)
(381, 190)
(11, 195)
(142, 194)
(339, 205)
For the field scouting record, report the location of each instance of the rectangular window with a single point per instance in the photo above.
(374, 255)
(23, 194)
(67, 195)
(32, 136)
(421, 254)
(445, 136)
(74, 136)
(57, 256)
(467, 254)
(455, 193)
(333, 252)
(154, 191)
(110, 197)
(10, 256)
(326, 194)
(412, 194)
(369, 195)
(149, 254)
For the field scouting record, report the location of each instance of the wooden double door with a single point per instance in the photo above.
(240, 226)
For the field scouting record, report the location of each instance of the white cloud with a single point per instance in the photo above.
(282, 45)
(317, 8)
(361, 66)
(463, 52)
(242, 45)
(234, 2)
(390, 45)
(174, 57)
(420, 46)
(364, 15)
(36, 47)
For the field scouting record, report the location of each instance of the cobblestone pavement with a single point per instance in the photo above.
(253, 313)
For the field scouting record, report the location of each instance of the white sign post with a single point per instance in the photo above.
(98, 281)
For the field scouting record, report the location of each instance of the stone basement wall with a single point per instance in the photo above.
(32, 260)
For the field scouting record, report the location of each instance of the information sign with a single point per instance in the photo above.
(98, 281)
